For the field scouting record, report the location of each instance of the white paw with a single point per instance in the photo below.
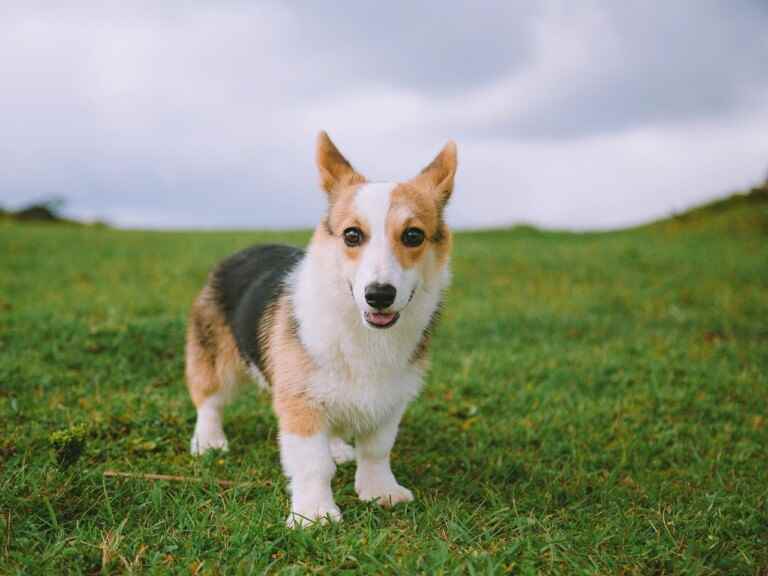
(341, 451)
(313, 515)
(385, 494)
(201, 443)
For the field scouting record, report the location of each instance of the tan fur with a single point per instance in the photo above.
(420, 355)
(213, 362)
(341, 215)
(411, 207)
(336, 173)
(289, 366)
(437, 177)
(420, 203)
(341, 182)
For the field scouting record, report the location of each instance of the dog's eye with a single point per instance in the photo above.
(353, 237)
(413, 237)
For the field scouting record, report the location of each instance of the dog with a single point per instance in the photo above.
(338, 333)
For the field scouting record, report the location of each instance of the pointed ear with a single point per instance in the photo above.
(437, 178)
(335, 171)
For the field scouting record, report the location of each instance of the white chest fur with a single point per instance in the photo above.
(362, 375)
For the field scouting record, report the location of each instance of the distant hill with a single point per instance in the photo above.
(46, 211)
(739, 213)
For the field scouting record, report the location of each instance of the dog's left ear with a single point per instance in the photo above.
(336, 172)
(437, 178)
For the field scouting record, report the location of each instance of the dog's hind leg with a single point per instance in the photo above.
(213, 368)
(209, 432)
(341, 451)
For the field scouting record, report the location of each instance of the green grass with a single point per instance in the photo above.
(598, 404)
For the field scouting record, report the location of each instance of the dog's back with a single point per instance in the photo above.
(246, 286)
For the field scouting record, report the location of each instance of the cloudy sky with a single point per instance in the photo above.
(204, 113)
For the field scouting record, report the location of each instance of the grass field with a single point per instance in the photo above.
(598, 404)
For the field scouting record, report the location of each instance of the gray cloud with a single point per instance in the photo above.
(431, 47)
(669, 62)
(204, 114)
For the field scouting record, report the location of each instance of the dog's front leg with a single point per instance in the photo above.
(374, 479)
(308, 464)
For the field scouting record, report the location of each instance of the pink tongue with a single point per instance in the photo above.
(380, 319)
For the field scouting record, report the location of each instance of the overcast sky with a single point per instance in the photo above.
(204, 113)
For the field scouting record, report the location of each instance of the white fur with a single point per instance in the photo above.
(341, 452)
(209, 433)
(258, 377)
(378, 262)
(308, 464)
(374, 480)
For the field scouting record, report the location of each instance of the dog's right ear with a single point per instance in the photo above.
(336, 172)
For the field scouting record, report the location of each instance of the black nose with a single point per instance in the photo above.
(380, 296)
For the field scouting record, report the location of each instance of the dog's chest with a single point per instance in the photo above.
(360, 385)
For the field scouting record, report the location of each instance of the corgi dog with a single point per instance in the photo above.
(338, 333)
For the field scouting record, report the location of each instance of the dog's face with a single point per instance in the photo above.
(390, 237)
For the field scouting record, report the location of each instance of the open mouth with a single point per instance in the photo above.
(381, 319)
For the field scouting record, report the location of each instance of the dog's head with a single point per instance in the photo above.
(390, 238)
